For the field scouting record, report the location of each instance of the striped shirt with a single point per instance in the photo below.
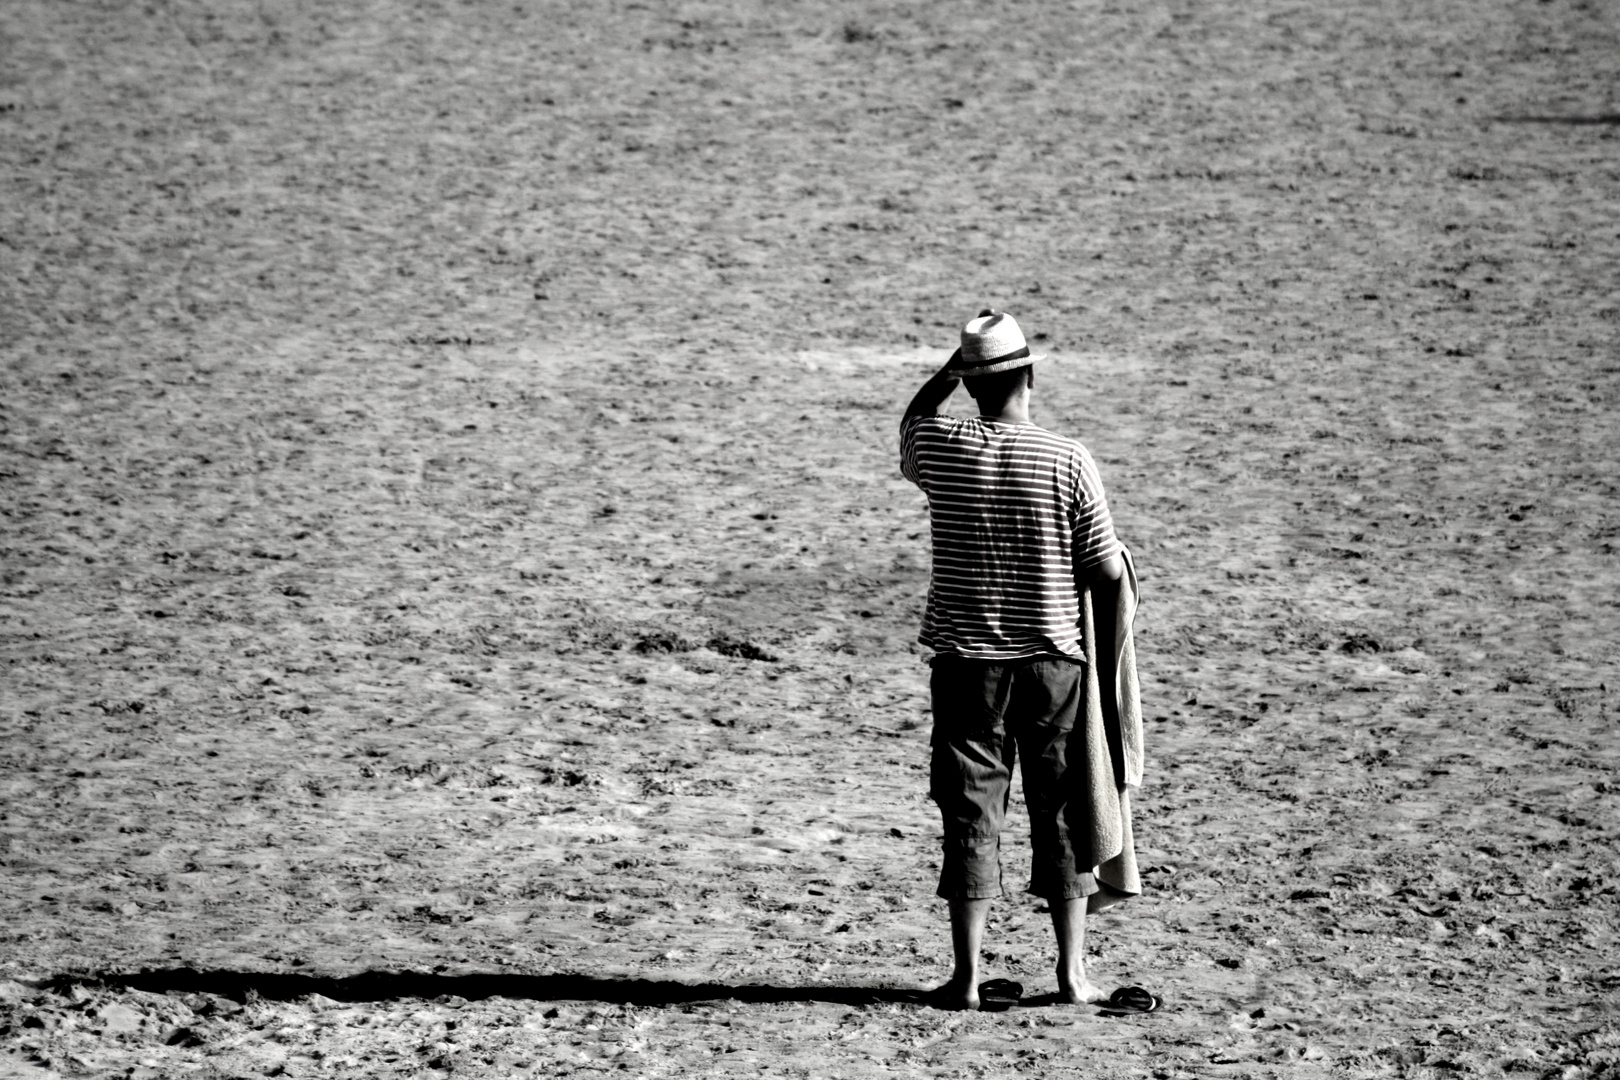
(1016, 512)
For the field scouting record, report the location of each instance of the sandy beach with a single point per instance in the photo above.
(458, 598)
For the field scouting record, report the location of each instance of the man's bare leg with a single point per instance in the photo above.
(968, 918)
(1069, 924)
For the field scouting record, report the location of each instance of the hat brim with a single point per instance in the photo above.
(999, 365)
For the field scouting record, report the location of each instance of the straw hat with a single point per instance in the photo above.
(991, 343)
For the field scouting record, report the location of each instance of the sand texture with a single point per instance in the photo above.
(458, 597)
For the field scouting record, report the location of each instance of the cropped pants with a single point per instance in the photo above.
(989, 715)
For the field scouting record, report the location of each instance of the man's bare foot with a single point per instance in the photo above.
(1079, 991)
(960, 995)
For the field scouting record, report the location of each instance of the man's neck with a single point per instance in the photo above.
(1013, 409)
(1011, 413)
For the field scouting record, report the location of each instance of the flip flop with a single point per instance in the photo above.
(1130, 999)
(997, 995)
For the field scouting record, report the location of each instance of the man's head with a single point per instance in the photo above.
(994, 362)
(1002, 386)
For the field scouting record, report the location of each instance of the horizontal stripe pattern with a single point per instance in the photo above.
(1015, 510)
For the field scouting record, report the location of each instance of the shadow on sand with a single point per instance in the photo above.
(1572, 121)
(390, 985)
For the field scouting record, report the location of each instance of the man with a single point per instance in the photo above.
(1021, 534)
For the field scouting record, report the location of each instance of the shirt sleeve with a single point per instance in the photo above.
(1092, 524)
(908, 448)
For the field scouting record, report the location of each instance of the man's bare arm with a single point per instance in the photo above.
(1103, 580)
(931, 399)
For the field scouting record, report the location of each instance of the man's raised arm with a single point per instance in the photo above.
(931, 399)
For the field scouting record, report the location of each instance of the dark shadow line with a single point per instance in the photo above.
(375, 986)
(1572, 121)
